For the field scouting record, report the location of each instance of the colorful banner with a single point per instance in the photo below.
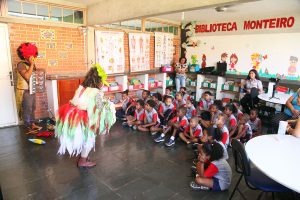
(110, 51)
(164, 49)
(139, 48)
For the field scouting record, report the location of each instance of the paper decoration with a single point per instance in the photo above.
(110, 51)
(69, 45)
(139, 48)
(62, 54)
(52, 63)
(51, 45)
(163, 49)
(47, 34)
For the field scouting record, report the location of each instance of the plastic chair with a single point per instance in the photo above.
(254, 178)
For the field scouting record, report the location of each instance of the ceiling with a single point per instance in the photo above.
(260, 8)
(263, 8)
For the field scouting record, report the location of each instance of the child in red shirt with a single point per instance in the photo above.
(178, 124)
(231, 121)
(179, 101)
(206, 101)
(217, 176)
(139, 115)
(151, 117)
(126, 104)
(192, 133)
(220, 123)
(191, 110)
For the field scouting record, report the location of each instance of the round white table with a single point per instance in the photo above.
(278, 156)
(281, 98)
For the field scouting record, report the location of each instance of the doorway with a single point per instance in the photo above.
(8, 111)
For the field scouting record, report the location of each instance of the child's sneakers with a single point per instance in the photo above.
(134, 127)
(159, 139)
(153, 133)
(170, 143)
(195, 186)
(125, 124)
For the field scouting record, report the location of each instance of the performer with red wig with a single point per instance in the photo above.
(27, 52)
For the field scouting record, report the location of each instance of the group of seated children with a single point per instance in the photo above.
(208, 128)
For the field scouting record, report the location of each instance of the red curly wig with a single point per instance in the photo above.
(25, 50)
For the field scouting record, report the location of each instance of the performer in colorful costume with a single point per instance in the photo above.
(27, 52)
(86, 115)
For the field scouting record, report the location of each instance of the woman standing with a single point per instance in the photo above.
(86, 115)
(253, 87)
(181, 69)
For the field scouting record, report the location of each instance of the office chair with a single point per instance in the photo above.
(254, 178)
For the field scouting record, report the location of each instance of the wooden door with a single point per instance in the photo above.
(66, 90)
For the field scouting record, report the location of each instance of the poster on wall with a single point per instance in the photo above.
(139, 50)
(164, 49)
(272, 55)
(110, 51)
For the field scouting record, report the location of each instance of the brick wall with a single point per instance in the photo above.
(63, 52)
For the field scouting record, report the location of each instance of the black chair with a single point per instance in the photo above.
(254, 178)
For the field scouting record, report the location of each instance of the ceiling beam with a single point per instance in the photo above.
(108, 11)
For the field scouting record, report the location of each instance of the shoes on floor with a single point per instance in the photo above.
(134, 127)
(85, 163)
(170, 143)
(125, 124)
(194, 170)
(195, 186)
(153, 133)
(159, 139)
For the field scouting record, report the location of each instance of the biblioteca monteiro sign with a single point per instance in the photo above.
(283, 22)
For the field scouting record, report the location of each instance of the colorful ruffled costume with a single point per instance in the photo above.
(78, 122)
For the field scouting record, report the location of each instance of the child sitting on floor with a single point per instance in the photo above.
(151, 117)
(206, 101)
(215, 135)
(168, 92)
(191, 110)
(126, 103)
(177, 124)
(165, 110)
(244, 132)
(179, 101)
(255, 123)
(238, 114)
(192, 133)
(221, 125)
(146, 95)
(215, 112)
(217, 176)
(231, 121)
(139, 115)
(157, 97)
(205, 119)
(186, 96)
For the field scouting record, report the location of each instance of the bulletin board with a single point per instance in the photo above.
(139, 51)
(164, 49)
(272, 55)
(110, 51)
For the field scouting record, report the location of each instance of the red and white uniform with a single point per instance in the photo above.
(152, 116)
(232, 122)
(254, 124)
(183, 121)
(186, 97)
(191, 112)
(139, 115)
(125, 103)
(197, 131)
(163, 108)
(177, 103)
(225, 136)
(239, 114)
(205, 104)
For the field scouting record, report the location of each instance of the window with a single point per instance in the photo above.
(68, 16)
(151, 26)
(130, 24)
(17, 8)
